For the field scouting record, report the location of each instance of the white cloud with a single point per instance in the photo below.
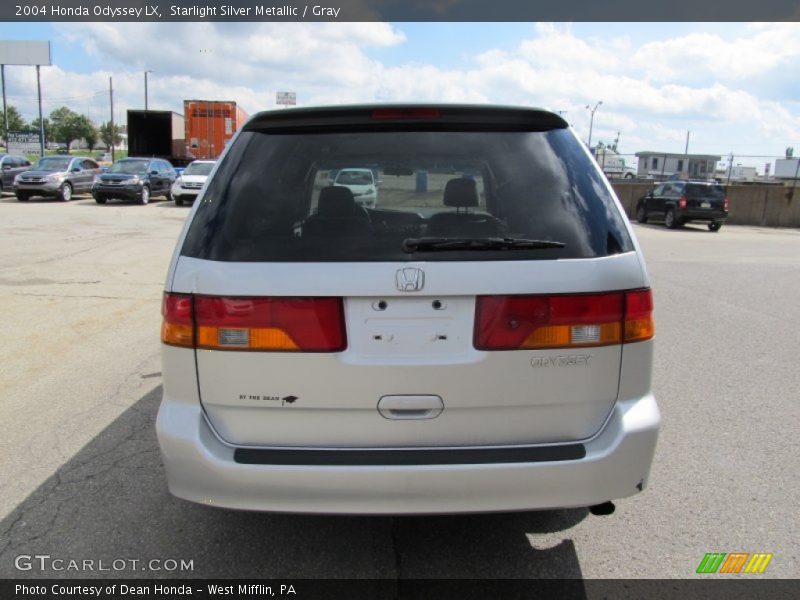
(652, 92)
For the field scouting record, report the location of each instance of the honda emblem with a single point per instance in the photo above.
(410, 279)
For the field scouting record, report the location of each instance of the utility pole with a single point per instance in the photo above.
(5, 109)
(145, 88)
(41, 120)
(113, 129)
(686, 155)
(591, 121)
(730, 169)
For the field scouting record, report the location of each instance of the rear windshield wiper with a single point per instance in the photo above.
(443, 243)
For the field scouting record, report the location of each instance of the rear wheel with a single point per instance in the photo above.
(671, 219)
(22, 197)
(65, 193)
(145, 195)
(641, 214)
(714, 226)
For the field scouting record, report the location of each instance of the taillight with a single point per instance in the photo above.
(177, 328)
(639, 324)
(725, 204)
(682, 201)
(266, 324)
(562, 321)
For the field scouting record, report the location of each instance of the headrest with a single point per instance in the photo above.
(461, 192)
(336, 201)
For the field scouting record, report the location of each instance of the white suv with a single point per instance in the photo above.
(481, 341)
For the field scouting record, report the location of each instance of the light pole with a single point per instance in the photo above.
(145, 88)
(591, 120)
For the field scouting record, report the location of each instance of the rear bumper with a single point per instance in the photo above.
(202, 469)
(703, 215)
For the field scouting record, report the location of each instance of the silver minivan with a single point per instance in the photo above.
(481, 340)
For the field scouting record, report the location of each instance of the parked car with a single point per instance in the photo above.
(361, 182)
(57, 177)
(135, 179)
(191, 180)
(679, 202)
(11, 166)
(103, 157)
(484, 345)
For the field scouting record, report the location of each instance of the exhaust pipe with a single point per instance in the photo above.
(601, 510)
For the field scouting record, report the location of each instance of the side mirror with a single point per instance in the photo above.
(153, 172)
(76, 170)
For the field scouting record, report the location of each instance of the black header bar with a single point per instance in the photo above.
(401, 10)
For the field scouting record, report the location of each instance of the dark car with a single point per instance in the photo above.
(56, 177)
(135, 179)
(679, 202)
(11, 166)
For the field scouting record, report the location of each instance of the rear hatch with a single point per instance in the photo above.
(705, 197)
(483, 302)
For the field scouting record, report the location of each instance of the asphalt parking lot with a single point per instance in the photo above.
(81, 476)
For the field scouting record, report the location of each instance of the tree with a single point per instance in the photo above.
(34, 128)
(106, 134)
(15, 120)
(66, 126)
(87, 131)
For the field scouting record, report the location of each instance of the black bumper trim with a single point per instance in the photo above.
(402, 457)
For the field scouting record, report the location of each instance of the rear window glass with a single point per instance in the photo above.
(357, 196)
(714, 192)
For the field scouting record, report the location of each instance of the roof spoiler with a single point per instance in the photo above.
(405, 117)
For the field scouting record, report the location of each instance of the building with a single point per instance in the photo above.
(662, 165)
(787, 168)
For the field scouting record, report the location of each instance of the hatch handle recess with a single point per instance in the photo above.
(410, 407)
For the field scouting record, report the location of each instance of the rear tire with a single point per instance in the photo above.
(145, 195)
(671, 219)
(22, 197)
(641, 214)
(714, 226)
(65, 192)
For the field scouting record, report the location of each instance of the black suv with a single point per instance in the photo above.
(679, 202)
(136, 179)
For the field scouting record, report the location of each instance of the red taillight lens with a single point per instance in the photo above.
(405, 113)
(639, 316)
(725, 204)
(177, 328)
(266, 324)
(562, 321)
(682, 201)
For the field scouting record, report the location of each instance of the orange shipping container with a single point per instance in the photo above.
(210, 124)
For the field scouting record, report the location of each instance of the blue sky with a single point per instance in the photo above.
(734, 86)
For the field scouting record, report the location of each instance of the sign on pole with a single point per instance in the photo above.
(24, 53)
(24, 143)
(286, 98)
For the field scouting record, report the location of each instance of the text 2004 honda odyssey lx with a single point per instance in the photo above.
(481, 340)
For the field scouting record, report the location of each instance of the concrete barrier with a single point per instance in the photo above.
(763, 205)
